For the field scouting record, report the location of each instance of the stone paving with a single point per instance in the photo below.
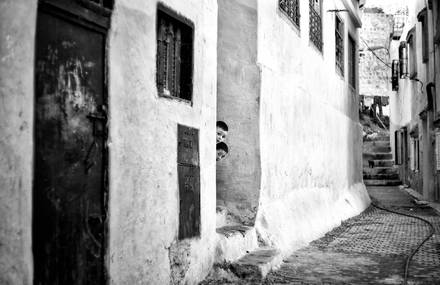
(371, 248)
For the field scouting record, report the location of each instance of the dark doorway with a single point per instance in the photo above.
(70, 189)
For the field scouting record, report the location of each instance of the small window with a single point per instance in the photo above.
(351, 62)
(412, 52)
(397, 155)
(395, 75)
(416, 159)
(422, 17)
(291, 9)
(174, 56)
(316, 23)
(339, 44)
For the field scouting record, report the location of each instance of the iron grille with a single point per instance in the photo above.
(339, 37)
(174, 57)
(315, 26)
(291, 9)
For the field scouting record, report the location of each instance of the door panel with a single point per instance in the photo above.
(70, 131)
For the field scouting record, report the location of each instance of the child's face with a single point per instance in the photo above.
(220, 154)
(221, 134)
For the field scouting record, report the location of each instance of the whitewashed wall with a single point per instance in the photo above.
(310, 133)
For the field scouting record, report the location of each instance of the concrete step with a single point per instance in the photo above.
(377, 155)
(380, 163)
(233, 242)
(376, 146)
(376, 182)
(257, 264)
(388, 176)
(380, 170)
(377, 138)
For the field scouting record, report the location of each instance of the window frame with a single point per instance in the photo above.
(423, 18)
(340, 62)
(411, 41)
(395, 75)
(294, 15)
(403, 59)
(351, 53)
(185, 86)
(316, 36)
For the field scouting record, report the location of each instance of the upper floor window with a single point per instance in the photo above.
(316, 23)
(351, 62)
(291, 9)
(339, 44)
(395, 75)
(422, 17)
(412, 52)
(174, 56)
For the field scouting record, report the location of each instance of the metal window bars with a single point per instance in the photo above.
(315, 24)
(291, 9)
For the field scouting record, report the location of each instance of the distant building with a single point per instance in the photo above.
(415, 106)
(108, 134)
(374, 64)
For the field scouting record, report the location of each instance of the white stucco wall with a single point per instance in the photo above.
(238, 102)
(17, 32)
(310, 133)
(144, 202)
(411, 99)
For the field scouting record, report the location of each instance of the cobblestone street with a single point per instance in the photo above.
(371, 248)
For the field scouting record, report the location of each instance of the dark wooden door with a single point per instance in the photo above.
(70, 156)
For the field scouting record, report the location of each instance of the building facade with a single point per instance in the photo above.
(414, 106)
(374, 77)
(107, 134)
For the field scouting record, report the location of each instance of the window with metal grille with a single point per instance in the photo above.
(351, 62)
(291, 9)
(339, 44)
(395, 75)
(315, 23)
(174, 55)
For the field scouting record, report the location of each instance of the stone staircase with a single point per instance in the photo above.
(239, 252)
(378, 163)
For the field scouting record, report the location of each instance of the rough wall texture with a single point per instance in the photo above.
(309, 131)
(410, 100)
(238, 176)
(144, 201)
(17, 32)
(374, 75)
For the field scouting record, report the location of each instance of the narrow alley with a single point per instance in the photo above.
(170, 142)
(372, 248)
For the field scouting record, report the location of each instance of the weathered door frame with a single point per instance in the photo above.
(88, 15)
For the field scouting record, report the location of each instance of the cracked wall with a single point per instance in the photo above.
(143, 202)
